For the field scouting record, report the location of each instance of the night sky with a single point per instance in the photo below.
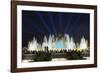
(40, 23)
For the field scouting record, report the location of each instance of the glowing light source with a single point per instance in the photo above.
(83, 43)
(32, 45)
(65, 43)
(59, 44)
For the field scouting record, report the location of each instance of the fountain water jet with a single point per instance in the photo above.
(67, 41)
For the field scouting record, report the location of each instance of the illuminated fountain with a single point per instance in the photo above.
(32, 46)
(58, 46)
(50, 43)
(83, 44)
(45, 43)
(53, 44)
(70, 44)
